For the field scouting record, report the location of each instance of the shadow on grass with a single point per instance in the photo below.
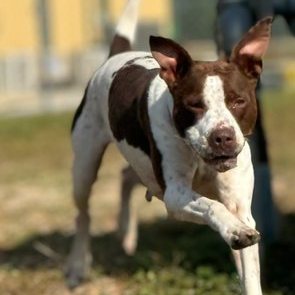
(162, 244)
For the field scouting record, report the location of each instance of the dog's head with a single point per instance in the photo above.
(214, 102)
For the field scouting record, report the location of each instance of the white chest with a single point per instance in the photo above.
(142, 165)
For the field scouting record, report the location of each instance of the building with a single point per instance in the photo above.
(46, 42)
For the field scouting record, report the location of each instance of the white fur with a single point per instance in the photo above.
(230, 186)
(127, 24)
(217, 115)
(142, 166)
(148, 62)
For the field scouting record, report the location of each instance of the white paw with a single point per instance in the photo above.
(243, 238)
(238, 235)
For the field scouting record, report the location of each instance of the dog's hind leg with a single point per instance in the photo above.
(90, 139)
(127, 219)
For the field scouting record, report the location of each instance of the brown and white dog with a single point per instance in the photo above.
(181, 125)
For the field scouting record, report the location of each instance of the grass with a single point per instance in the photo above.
(36, 217)
(279, 117)
(278, 110)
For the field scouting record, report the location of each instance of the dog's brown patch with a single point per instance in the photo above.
(128, 113)
(79, 109)
(119, 44)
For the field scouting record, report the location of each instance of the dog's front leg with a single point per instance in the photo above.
(248, 266)
(247, 263)
(184, 204)
(235, 192)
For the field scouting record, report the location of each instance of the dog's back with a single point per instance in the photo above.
(122, 42)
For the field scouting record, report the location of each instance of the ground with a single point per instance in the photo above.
(37, 214)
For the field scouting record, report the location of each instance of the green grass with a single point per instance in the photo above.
(36, 145)
(36, 217)
(278, 109)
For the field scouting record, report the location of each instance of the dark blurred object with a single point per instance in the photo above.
(235, 17)
(286, 9)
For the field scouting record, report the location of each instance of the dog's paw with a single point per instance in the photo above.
(128, 240)
(244, 238)
(129, 244)
(77, 271)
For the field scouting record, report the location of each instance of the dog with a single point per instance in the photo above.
(182, 125)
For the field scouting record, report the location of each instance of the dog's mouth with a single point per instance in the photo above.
(222, 163)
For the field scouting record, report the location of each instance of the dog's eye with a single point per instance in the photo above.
(197, 105)
(239, 103)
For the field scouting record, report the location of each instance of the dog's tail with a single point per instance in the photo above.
(126, 29)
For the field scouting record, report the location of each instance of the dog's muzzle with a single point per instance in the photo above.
(224, 149)
(222, 163)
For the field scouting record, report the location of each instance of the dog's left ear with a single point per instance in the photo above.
(174, 60)
(248, 53)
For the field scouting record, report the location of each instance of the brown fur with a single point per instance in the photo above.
(128, 113)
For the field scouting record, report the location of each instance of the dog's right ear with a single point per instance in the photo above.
(248, 53)
(174, 60)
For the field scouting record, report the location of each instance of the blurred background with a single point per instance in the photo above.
(49, 48)
(48, 51)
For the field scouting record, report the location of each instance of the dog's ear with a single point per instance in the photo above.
(248, 53)
(174, 60)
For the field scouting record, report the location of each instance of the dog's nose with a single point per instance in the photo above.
(223, 140)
